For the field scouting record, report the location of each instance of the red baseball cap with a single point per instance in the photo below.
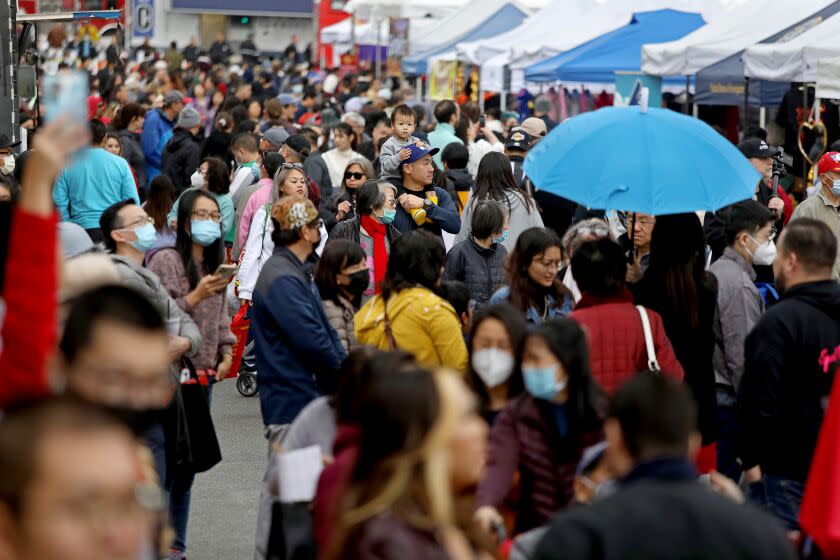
(829, 162)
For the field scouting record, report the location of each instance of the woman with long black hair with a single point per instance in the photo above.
(187, 273)
(677, 286)
(495, 181)
(534, 287)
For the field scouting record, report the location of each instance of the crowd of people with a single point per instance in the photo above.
(488, 369)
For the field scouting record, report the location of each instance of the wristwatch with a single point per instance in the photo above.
(427, 203)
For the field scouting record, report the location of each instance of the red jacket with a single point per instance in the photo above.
(29, 329)
(331, 486)
(617, 341)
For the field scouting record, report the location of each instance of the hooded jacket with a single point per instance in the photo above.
(156, 126)
(788, 372)
(521, 216)
(422, 323)
(181, 157)
(294, 340)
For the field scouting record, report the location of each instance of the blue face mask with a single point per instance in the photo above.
(205, 232)
(502, 238)
(835, 188)
(541, 383)
(146, 237)
(387, 216)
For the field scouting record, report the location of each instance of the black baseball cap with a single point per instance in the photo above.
(757, 148)
(5, 142)
(300, 144)
(519, 139)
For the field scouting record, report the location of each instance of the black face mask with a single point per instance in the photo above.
(359, 282)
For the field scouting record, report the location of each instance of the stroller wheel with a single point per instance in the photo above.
(246, 384)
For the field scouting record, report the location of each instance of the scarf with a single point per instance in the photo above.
(380, 254)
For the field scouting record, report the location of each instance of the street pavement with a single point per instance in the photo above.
(223, 514)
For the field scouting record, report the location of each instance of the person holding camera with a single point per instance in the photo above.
(762, 157)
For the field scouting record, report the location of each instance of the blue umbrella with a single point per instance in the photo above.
(656, 162)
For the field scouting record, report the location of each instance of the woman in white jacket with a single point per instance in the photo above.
(288, 181)
(495, 181)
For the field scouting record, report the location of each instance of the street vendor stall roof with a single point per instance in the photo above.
(598, 60)
(725, 35)
(795, 60)
(477, 20)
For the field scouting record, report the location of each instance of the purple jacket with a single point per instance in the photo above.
(525, 437)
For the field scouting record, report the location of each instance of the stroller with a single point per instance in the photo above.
(246, 380)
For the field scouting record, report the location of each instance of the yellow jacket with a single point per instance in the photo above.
(422, 323)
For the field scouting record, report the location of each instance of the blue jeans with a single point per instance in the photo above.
(179, 487)
(156, 442)
(780, 496)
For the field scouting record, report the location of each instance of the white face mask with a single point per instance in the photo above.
(493, 366)
(8, 166)
(765, 254)
(197, 180)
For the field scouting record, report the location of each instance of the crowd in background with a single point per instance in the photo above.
(490, 369)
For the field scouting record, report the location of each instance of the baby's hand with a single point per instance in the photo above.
(405, 153)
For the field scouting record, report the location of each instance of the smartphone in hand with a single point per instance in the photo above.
(225, 271)
(66, 93)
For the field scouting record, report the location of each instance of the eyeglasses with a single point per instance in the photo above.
(139, 221)
(315, 224)
(205, 215)
(550, 265)
(353, 175)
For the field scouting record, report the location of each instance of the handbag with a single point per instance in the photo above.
(652, 362)
(239, 327)
(191, 442)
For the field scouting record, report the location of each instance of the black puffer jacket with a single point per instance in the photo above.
(482, 270)
(181, 157)
(329, 209)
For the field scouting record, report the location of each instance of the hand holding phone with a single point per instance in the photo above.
(65, 94)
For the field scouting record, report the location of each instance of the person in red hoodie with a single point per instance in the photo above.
(613, 323)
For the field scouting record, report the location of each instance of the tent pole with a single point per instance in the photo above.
(762, 116)
(503, 101)
(377, 58)
(418, 84)
(746, 104)
(695, 111)
(687, 86)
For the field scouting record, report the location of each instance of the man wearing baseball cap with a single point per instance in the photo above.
(421, 204)
(761, 155)
(823, 205)
(157, 129)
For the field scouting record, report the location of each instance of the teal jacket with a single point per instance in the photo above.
(441, 137)
(94, 181)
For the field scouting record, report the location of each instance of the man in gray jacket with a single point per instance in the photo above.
(129, 233)
(749, 237)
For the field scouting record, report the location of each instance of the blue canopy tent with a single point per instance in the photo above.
(507, 17)
(598, 60)
(722, 83)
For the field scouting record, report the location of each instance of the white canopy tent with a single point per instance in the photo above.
(795, 60)
(400, 8)
(736, 27)
(562, 25)
(365, 33)
(828, 78)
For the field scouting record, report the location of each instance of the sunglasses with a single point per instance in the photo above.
(292, 166)
(354, 175)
